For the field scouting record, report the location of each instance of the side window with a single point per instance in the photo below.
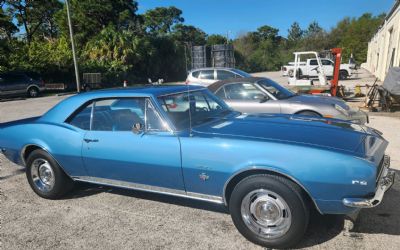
(196, 74)
(153, 119)
(243, 91)
(207, 74)
(221, 93)
(224, 75)
(117, 115)
(16, 78)
(82, 118)
(313, 62)
(326, 62)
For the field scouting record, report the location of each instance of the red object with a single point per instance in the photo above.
(337, 53)
(172, 106)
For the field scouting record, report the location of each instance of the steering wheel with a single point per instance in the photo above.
(200, 109)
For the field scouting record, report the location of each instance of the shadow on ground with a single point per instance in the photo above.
(384, 219)
(14, 173)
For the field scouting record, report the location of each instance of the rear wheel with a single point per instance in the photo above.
(269, 210)
(343, 75)
(33, 92)
(46, 177)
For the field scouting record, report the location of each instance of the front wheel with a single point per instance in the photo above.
(269, 210)
(46, 177)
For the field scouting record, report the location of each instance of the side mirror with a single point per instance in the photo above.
(259, 97)
(137, 128)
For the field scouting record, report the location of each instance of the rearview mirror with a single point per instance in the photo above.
(137, 128)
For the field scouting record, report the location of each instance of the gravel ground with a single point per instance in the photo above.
(95, 217)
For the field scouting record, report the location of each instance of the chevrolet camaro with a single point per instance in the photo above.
(270, 170)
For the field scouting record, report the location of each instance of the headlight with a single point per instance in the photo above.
(341, 110)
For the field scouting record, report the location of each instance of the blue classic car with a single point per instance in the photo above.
(269, 170)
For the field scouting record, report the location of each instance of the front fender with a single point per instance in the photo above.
(326, 175)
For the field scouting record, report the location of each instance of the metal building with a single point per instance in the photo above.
(383, 49)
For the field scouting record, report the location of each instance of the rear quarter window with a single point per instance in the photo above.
(196, 74)
(82, 118)
(207, 74)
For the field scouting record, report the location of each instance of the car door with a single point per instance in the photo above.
(6, 85)
(248, 98)
(2, 85)
(313, 68)
(113, 153)
(328, 67)
(16, 84)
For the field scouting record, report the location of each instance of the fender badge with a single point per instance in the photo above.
(204, 176)
(357, 182)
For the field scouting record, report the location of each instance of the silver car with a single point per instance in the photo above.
(262, 95)
(207, 76)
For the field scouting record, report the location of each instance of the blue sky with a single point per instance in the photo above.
(238, 16)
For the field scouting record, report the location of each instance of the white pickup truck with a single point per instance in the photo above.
(309, 68)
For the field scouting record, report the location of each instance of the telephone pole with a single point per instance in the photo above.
(71, 33)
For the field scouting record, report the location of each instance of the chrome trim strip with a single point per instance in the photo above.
(270, 170)
(22, 153)
(149, 188)
(385, 183)
(182, 92)
(157, 112)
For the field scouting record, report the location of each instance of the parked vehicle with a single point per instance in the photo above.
(269, 170)
(308, 69)
(207, 76)
(262, 95)
(20, 84)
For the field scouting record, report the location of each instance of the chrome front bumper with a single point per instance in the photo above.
(384, 183)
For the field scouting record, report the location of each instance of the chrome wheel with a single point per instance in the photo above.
(266, 214)
(42, 175)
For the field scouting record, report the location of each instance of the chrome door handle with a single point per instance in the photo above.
(90, 140)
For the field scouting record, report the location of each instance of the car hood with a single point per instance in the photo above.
(314, 132)
(318, 100)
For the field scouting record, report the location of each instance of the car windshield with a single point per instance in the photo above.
(204, 107)
(242, 73)
(275, 89)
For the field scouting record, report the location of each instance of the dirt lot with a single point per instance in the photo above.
(94, 217)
